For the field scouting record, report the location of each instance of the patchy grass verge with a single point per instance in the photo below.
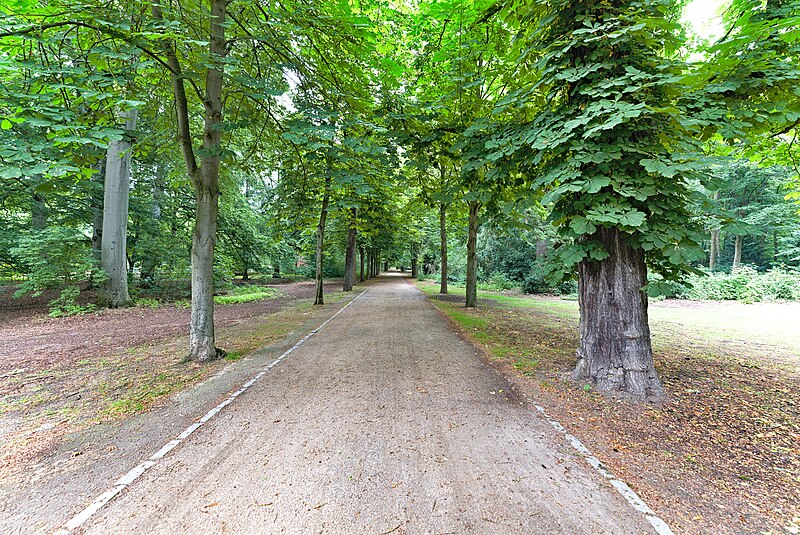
(721, 456)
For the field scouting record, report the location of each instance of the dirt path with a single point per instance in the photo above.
(385, 421)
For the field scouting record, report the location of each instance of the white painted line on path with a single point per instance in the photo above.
(660, 527)
(136, 472)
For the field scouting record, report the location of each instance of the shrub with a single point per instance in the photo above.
(56, 258)
(745, 284)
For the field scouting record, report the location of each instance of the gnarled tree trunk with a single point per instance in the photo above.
(472, 255)
(113, 248)
(443, 246)
(615, 353)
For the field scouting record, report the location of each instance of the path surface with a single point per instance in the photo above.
(385, 421)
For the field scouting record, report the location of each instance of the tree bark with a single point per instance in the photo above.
(414, 267)
(113, 248)
(443, 246)
(615, 354)
(472, 255)
(323, 217)
(361, 253)
(350, 254)
(737, 253)
(205, 178)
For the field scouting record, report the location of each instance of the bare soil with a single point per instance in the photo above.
(721, 456)
(385, 421)
(59, 375)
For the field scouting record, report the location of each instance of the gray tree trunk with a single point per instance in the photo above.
(443, 246)
(737, 253)
(414, 268)
(113, 248)
(615, 354)
(472, 255)
(350, 254)
(319, 298)
(205, 178)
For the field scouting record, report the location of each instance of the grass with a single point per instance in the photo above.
(246, 294)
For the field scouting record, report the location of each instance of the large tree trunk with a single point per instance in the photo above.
(472, 255)
(615, 353)
(363, 275)
(323, 217)
(113, 250)
(443, 246)
(737, 253)
(414, 261)
(350, 254)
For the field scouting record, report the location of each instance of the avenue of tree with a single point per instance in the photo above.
(147, 143)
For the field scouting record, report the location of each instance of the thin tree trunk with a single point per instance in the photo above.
(38, 212)
(151, 260)
(615, 352)
(472, 255)
(205, 178)
(714, 248)
(361, 253)
(737, 253)
(98, 185)
(414, 263)
(323, 217)
(443, 246)
(113, 249)
(350, 254)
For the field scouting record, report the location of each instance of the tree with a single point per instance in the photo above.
(113, 249)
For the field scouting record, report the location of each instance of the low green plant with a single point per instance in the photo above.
(66, 304)
(745, 284)
(245, 294)
(147, 302)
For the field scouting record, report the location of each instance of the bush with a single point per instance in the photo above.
(745, 284)
(56, 258)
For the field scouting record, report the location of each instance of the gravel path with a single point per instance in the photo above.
(385, 421)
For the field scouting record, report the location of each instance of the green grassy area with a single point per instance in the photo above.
(246, 294)
(760, 324)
